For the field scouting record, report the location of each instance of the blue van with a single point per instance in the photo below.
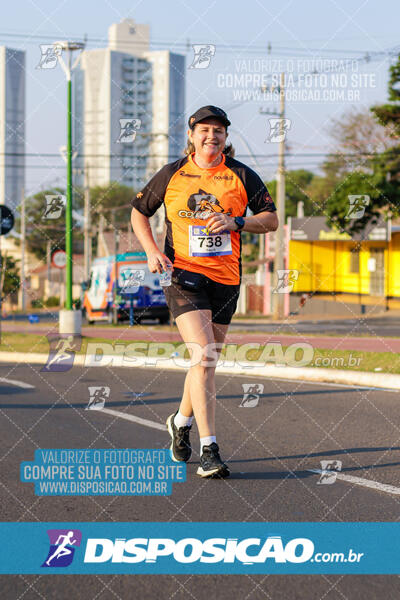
(126, 278)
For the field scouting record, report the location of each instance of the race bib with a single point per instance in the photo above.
(202, 243)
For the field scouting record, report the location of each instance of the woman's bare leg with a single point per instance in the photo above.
(196, 326)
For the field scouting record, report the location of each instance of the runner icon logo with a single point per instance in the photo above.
(49, 56)
(329, 470)
(203, 54)
(286, 281)
(251, 394)
(54, 206)
(357, 205)
(62, 547)
(278, 129)
(62, 352)
(128, 131)
(131, 279)
(97, 397)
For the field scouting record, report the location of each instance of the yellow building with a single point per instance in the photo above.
(363, 268)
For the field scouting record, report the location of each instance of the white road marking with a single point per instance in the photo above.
(375, 485)
(138, 420)
(21, 384)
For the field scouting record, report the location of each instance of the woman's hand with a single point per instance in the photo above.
(158, 262)
(220, 222)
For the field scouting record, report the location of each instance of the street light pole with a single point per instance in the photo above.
(23, 235)
(279, 262)
(87, 227)
(70, 320)
(68, 208)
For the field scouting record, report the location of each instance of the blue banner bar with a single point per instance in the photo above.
(200, 548)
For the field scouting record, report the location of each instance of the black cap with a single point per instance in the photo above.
(209, 111)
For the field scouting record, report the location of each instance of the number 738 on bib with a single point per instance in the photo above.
(204, 243)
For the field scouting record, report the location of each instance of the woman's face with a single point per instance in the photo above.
(208, 138)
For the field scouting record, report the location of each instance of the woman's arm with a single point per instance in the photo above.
(157, 261)
(260, 223)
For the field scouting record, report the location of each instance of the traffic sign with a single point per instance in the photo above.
(6, 219)
(59, 259)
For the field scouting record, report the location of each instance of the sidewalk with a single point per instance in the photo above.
(149, 333)
(318, 317)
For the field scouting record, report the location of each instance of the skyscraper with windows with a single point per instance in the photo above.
(128, 108)
(12, 126)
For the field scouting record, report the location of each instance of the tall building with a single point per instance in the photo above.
(128, 108)
(12, 126)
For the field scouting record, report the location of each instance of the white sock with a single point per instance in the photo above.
(206, 441)
(181, 421)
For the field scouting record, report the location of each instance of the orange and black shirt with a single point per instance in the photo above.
(191, 195)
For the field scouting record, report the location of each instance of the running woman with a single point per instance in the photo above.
(205, 197)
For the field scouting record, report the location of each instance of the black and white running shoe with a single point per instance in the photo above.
(211, 464)
(181, 449)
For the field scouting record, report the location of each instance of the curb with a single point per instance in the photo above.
(354, 378)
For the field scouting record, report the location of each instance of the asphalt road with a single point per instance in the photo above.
(387, 326)
(270, 448)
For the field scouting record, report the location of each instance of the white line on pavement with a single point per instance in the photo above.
(375, 485)
(138, 420)
(21, 384)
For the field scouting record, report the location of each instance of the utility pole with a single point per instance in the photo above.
(48, 257)
(23, 235)
(279, 263)
(116, 248)
(100, 232)
(87, 227)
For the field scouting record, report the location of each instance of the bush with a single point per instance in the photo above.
(52, 301)
(37, 304)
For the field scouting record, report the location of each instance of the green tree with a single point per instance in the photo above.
(297, 187)
(106, 197)
(11, 281)
(366, 162)
(337, 205)
(40, 229)
(389, 114)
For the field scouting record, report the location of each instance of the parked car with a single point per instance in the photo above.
(127, 280)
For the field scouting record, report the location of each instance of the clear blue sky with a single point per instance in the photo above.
(297, 31)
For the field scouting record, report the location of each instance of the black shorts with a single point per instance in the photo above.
(221, 299)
